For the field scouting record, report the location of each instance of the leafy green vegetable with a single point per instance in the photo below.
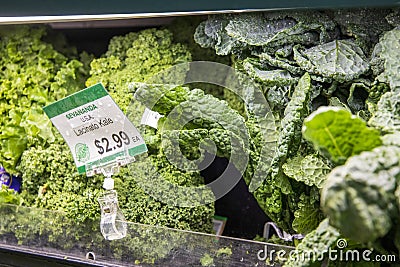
(390, 55)
(135, 57)
(340, 60)
(9, 196)
(387, 115)
(161, 98)
(33, 74)
(338, 135)
(188, 110)
(154, 175)
(363, 24)
(358, 197)
(269, 77)
(50, 177)
(232, 33)
(347, 71)
(297, 109)
(391, 139)
(311, 169)
(308, 215)
(207, 260)
(300, 60)
(315, 243)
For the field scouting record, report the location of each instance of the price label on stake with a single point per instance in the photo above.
(96, 130)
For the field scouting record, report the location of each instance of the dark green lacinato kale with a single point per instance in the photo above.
(190, 115)
(365, 25)
(269, 31)
(33, 74)
(351, 63)
(385, 114)
(335, 60)
(386, 58)
(203, 118)
(341, 60)
(359, 197)
(282, 188)
(294, 114)
(310, 169)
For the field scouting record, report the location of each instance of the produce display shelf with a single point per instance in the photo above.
(40, 11)
(26, 238)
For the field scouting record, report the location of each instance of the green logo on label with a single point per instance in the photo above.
(82, 152)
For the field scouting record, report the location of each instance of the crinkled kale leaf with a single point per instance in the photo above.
(359, 197)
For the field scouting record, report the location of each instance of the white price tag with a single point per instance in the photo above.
(150, 118)
(96, 130)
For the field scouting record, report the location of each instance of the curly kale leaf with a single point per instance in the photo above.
(156, 173)
(9, 196)
(50, 177)
(135, 57)
(315, 243)
(33, 74)
(358, 197)
(338, 134)
(340, 60)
